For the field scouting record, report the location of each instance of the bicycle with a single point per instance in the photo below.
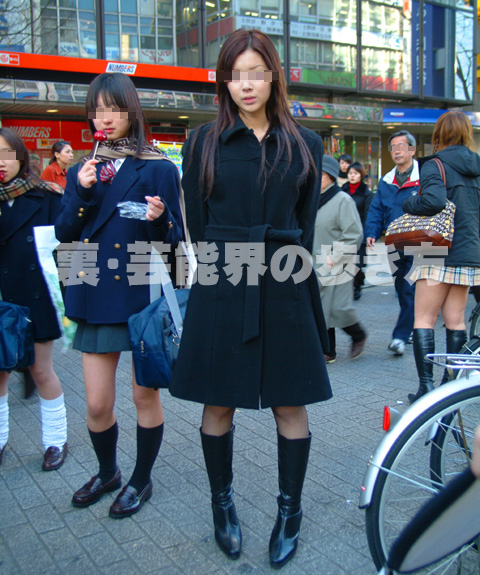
(474, 320)
(429, 445)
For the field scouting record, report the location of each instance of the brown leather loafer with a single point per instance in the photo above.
(129, 501)
(358, 348)
(92, 491)
(54, 457)
(2, 451)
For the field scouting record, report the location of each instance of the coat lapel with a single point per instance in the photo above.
(12, 219)
(117, 190)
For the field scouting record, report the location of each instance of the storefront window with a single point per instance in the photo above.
(448, 58)
(187, 34)
(323, 42)
(387, 46)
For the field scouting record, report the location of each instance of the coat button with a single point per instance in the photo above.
(86, 240)
(29, 238)
(81, 209)
(32, 267)
(117, 246)
(80, 215)
(81, 274)
(170, 225)
(117, 278)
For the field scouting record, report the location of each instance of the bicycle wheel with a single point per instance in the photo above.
(404, 483)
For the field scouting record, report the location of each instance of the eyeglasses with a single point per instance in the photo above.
(400, 147)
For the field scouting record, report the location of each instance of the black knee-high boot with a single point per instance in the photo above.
(292, 466)
(456, 339)
(423, 343)
(218, 453)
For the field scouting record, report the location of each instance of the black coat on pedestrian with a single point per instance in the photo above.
(21, 276)
(462, 168)
(248, 344)
(362, 197)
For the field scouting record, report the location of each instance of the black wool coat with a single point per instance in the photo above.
(362, 197)
(245, 345)
(21, 277)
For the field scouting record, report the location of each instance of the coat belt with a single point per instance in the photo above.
(256, 234)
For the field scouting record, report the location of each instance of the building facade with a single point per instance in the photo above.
(346, 61)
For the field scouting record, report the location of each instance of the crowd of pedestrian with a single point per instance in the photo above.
(252, 177)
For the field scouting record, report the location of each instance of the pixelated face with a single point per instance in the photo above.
(402, 152)
(353, 176)
(250, 83)
(65, 156)
(9, 162)
(344, 165)
(113, 121)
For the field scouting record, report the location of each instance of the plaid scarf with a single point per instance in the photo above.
(118, 149)
(19, 186)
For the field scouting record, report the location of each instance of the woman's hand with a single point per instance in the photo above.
(155, 208)
(87, 176)
(330, 262)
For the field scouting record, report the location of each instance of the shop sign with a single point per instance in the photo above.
(121, 68)
(41, 135)
(9, 59)
(267, 26)
(295, 74)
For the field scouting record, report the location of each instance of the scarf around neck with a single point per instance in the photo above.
(108, 151)
(19, 186)
(328, 194)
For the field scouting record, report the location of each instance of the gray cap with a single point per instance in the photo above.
(330, 166)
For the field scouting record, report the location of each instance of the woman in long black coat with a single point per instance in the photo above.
(26, 202)
(254, 327)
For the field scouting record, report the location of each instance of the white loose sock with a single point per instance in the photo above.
(54, 422)
(3, 420)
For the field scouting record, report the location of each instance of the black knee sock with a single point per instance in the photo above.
(332, 352)
(105, 446)
(148, 444)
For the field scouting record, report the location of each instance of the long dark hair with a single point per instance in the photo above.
(57, 149)
(118, 91)
(17, 144)
(277, 108)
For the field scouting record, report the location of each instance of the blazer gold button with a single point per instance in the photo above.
(81, 274)
(81, 209)
(170, 225)
(118, 246)
(86, 240)
(117, 278)
(80, 215)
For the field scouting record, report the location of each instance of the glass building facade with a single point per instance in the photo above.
(406, 48)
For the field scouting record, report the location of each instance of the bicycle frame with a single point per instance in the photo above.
(425, 402)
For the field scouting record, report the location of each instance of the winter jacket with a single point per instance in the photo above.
(387, 202)
(462, 167)
(362, 198)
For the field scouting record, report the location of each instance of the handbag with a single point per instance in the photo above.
(411, 230)
(156, 331)
(16, 337)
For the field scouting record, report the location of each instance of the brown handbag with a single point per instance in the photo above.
(411, 230)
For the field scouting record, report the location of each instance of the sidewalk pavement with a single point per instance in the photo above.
(41, 533)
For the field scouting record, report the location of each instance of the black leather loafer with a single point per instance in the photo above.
(92, 491)
(129, 501)
(54, 457)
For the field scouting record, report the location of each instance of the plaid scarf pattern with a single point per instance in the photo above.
(19, 186)
(118, 149)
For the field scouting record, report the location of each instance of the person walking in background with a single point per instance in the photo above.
(256, 340)
(56, 171)
(26, 201)
(362, 196)
(344, 160)
(338, 225)
(126, 168)
(445, 287)
(393, 189)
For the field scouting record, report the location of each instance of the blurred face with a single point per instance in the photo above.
(344, 165)
(354, 177)
(402, 153)
(65, 157)
(326, 181)
(251, 84)
(113, 121)
(9, 165)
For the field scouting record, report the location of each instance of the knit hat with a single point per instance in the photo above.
(330, 166)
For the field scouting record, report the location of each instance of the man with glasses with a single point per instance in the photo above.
(393, 189)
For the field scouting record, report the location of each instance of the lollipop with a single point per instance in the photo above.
(2, 176)
(99, 136)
